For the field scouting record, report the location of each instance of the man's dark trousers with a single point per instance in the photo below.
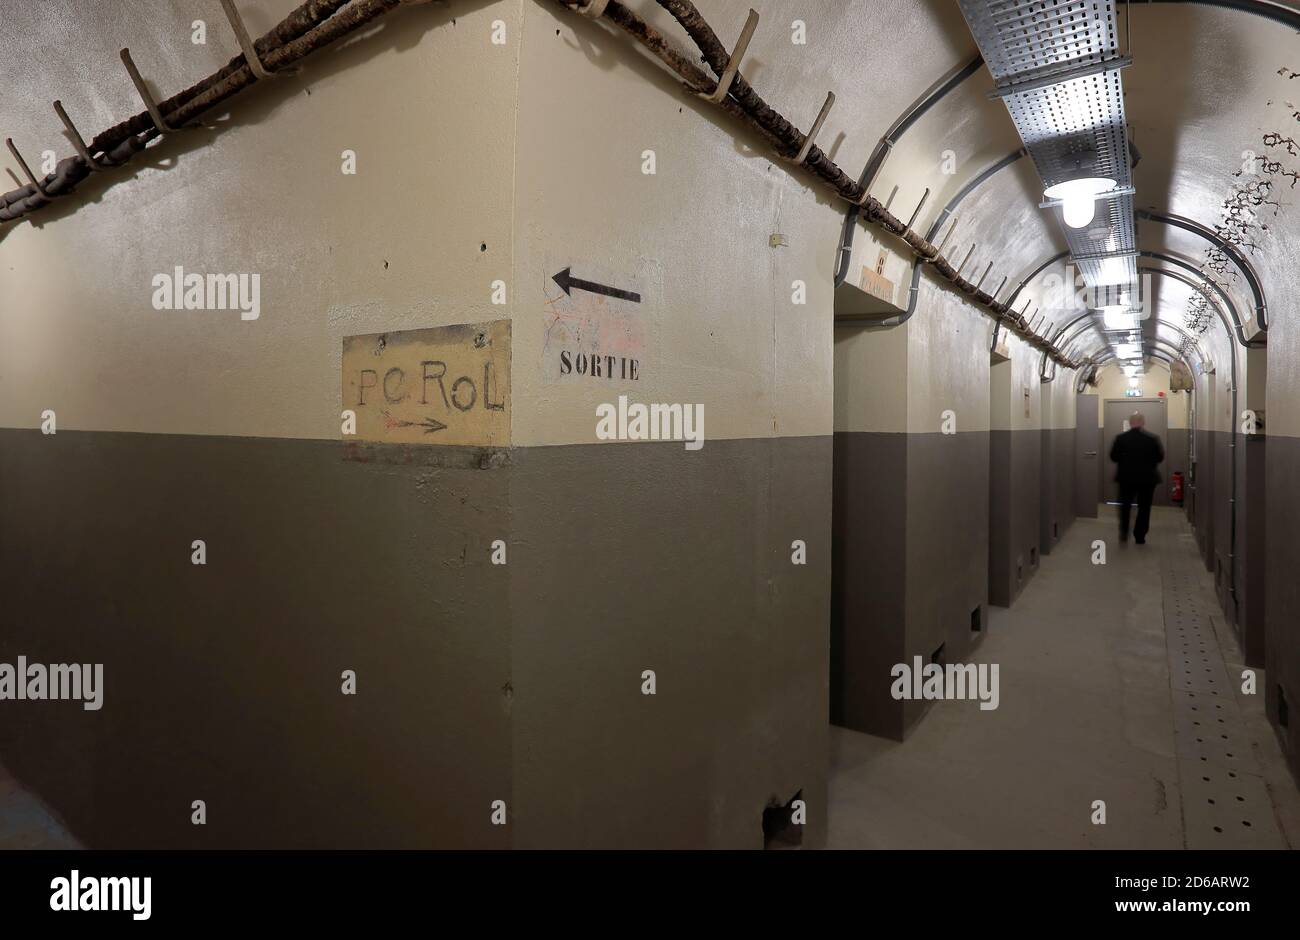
(1129, 494)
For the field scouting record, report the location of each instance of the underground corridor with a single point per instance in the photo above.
(620, 425)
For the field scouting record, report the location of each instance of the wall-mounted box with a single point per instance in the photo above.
(871, 299)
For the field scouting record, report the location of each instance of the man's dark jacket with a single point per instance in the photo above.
(1136, 454)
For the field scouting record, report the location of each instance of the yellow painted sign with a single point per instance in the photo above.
(443, 385)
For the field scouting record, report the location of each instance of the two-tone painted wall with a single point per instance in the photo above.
(524, 682)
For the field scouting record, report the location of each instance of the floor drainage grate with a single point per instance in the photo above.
(1225, 800)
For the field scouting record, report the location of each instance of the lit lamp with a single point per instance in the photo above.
(1119, 317)
(1079, 195)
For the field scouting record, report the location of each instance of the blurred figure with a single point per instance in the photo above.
(1136, 454)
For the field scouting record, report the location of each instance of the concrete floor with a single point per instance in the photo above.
(1099, 701)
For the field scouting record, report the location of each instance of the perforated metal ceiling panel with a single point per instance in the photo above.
(1056, 64)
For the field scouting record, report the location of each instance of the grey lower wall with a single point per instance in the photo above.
(1205, 493)
(868, 614)
(651, 557)
(1221, 557)
(222, 681)
(947, 546)
(1282, 644)
(1089, 471)
(1058, 486)
(1047, 484)
(911, 566)
(1239, 555)
(475, 682)
(1014, 507)
(1252, 534)
(1176, 461)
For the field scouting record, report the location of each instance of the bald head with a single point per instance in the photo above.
(1137, 419)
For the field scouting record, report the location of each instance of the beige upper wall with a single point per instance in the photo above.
(871, 378)
(396, 246)
(532, 148)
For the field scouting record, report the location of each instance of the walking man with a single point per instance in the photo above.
(1136, 454)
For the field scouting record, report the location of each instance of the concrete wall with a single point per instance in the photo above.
(1016, 474)
(475, 682)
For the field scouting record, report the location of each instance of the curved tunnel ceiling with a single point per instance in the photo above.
(1208, 85)
(1207, 100)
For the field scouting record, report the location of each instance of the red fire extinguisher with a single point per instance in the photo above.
(1176, 488)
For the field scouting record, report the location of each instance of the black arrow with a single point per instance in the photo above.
(430, 425)
(567, 282)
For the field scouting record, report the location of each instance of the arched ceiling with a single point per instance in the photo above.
(1208, 84)
(1210, 88)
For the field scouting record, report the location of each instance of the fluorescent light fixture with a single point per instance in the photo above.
(1079, 198)
(1127, 350)
(1119, 317)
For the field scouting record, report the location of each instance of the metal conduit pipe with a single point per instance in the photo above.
(731, 92)
(1065, 341)
(1228, 248)
(914, 291)
(1034, 273)
(885, 147)
(1088, 315)
(1218, 291)
(1268, 9)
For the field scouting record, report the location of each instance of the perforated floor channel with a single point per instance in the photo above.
(1225, 801)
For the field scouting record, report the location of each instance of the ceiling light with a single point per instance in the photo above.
(1079, 198)
(1119, 318)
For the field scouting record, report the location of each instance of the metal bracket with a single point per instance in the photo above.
(924, 196)
(145, 95)
(251, 57)
(817, 126)
(1107, 255)
(733, 65)
(76, 138)
(966, 260)
(1108, 194)
(1061, 75)
(27, 171)
(593, 8)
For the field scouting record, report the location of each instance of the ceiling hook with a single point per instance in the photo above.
(245, 43)
(143, 91)
(76, 138)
